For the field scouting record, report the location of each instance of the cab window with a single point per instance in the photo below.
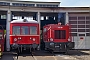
(33, 30)
(25, 30)
(16, 30)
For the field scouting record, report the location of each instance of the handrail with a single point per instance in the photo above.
(2, 27)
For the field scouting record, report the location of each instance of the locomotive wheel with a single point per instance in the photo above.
(18, 50)
(30, 49)
(66, 52)
(42, 46)
(21, 49)
(38, 48)
(46, 49)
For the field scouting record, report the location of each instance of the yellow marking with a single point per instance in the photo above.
(34, 58)
(0, 49)
(0, 45)
(54, 57)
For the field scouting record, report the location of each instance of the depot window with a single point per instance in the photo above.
(16, 30)
(21, 4)
(3, 16)
(33, 30)
(4, 3)
(25, 30)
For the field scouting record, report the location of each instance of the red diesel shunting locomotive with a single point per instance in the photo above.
(2, 40)
(24, 34)
(57, 37)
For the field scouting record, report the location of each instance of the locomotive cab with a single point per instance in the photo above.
(57, 38)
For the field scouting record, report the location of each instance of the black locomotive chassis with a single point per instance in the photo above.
(15, 46)
(60, 46)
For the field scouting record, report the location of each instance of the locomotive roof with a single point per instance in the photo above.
(55, 25)
(24, 21)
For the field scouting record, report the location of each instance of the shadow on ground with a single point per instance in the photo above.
(7, 56)
(47, 53)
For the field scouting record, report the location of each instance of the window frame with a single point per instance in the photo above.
(36, 30)
(19, 31)
(24, 31)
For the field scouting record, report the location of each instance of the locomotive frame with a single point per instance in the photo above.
(25, 39)
(57, 37)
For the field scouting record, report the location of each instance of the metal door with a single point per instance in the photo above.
(81, 40)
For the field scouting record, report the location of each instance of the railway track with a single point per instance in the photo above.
(67, 56)
(79, 56)
(32, 53)
(24, 56)
(51, 56)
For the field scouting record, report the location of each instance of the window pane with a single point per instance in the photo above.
(72, 18)
(25, 30)
(4, 3)
(81, 22)
(87, 22)
(73, 26)
(81, 26)
(73, 30)
(3, 16)
(20, 4)
(44, 30)
(81, 18)
(87, 26)
(33, 30)
(87, 30)
(81, 34)
(45, 5)
(87, 18)
(73, 34)
(87, 34)
(16, 30)
(73, 22)
(81, 30)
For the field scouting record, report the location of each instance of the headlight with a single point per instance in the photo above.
(51, 45)
(19, 37)
(30, 38)
(51, 39)
(68, 39)
(33, 39)
(15, 39)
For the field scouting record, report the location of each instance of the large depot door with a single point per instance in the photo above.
(80, 29)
